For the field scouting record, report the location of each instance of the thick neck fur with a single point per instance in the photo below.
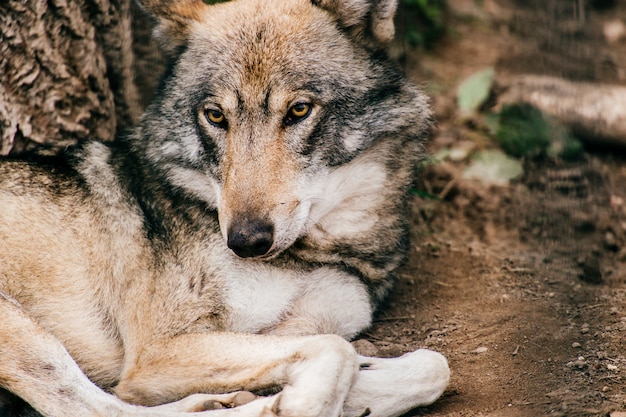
(345, 169)
(361, 228)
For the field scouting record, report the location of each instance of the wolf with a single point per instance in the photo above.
(236, 239)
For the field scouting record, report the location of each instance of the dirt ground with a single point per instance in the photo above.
(521, 286)
(522, 289)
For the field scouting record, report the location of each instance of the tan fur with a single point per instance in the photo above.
(246, 191)
(117, 284)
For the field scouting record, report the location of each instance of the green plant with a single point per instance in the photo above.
(523, 130)
(422, 21)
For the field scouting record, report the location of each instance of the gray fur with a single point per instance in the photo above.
(119, 253)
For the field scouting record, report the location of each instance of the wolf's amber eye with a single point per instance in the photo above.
(215, 117)
(300, 110)
(297, 112)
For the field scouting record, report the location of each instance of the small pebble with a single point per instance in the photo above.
(610, 241)
(579, 365)
(616, 201)
(365, 348)
(576, 345)
(591, 271)
(481, 349)
(611, 367)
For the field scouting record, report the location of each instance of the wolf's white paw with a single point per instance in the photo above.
(391, 387)
(430, 370)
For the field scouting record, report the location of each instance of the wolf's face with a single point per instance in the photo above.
(266, 100)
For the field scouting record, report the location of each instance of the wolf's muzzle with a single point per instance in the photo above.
(251, 238)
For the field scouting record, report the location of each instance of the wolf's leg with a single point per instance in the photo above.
(35, 366)
(391, 387)
(315, 372)
(385, 387)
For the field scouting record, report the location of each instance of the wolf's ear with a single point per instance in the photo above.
(174, 18)
(371, 20)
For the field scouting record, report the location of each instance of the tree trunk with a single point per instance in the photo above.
(67, 72)
(595, 112)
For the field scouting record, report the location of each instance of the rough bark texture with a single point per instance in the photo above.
(66, 72)
(595, 112)
(149, 62)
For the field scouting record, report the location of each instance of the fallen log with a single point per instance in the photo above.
(595, 113)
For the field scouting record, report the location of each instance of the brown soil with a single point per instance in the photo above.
(521, 287)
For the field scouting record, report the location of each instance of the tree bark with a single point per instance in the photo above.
(67, 72)
(595, 112)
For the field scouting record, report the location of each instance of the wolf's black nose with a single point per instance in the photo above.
(251, 238)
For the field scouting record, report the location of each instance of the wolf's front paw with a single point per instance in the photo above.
(320, 379)
(429, 371)
(391, 387)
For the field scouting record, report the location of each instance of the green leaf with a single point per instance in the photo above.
(523, 130)
(493, 166)
(474, 91)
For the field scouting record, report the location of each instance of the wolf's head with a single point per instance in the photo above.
(267, 101)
